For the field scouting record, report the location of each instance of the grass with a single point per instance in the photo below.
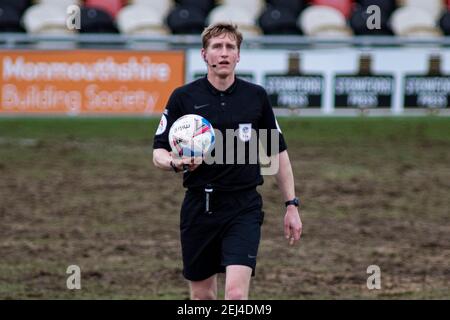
(323, 129)
(84, 191)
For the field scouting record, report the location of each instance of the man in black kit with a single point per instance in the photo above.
(225, 236)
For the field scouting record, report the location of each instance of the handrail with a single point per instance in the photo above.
(18, 40)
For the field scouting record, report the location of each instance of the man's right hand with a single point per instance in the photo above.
(190, 163)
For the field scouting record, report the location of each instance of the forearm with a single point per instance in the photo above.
(285, 177)
(161, 159)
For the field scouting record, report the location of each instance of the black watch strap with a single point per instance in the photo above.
(174, 167)
(295, 202)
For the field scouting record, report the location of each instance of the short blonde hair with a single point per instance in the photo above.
(220, 28)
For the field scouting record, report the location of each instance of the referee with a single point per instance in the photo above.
(221, 215)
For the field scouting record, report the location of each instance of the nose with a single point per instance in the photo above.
(224, 52)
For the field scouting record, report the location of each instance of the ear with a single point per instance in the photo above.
(203, 53)
(238, 57)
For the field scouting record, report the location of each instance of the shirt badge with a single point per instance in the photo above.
(162, 125)
(245, 131)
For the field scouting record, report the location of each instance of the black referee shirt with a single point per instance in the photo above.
(243, 103)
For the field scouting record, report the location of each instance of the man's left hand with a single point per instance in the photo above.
(292, 225)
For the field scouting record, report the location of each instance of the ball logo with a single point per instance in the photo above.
(184, 126)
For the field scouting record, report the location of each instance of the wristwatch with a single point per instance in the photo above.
(295, 202)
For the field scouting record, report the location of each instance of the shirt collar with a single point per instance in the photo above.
(215, 91)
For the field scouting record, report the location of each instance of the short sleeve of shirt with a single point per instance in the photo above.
(170, 115)
(268, 121)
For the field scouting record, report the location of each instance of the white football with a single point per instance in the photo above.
(191, 136)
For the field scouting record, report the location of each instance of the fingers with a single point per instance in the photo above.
(292, 233)
(287, 231)
(192, 167)
(186, 160)
(197, 160)
(190, 163)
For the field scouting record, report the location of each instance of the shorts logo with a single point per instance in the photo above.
(245, 131)
(162, 125)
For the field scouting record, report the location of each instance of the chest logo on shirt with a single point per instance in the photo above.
(245, 131)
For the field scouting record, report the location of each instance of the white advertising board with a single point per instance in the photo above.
(390, 68)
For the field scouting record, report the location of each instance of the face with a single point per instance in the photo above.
(224, 53)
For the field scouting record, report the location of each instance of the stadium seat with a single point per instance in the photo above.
(238, 16)
(358, 23)
(162, 7)
(434, 7)
(323, 21)
(186, 20)
(251, 7)
(387, 6)
(204, 5)
(45, 19)
(444, 23)
(19, 5)
(414, 22)
(279, 20)
(141, 19)
(9, 19)
(294, 6)
(60, 3)
(344, 6)
(94, 20)
(110, 6)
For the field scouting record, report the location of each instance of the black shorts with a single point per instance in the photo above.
(228, 236)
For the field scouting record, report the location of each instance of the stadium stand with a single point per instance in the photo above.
(45, 18)
(112, 7)
(204, 5)
(253, 8)
(323, 21)
(444, 23)
(255, 17)
(413, 22)
(237, 15)
(344, 6)
(359, 18)
(386, 6)
(10, 18)
(161, 6)
(279, 20)
(141, 19)
(95, 20)
(294, 6)
(19, 5)
(60, 3)
(433, 7)
(184, 19)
